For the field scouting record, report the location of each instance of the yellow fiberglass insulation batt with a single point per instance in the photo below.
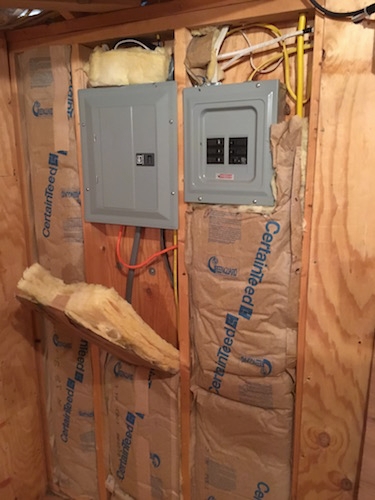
(127, 66)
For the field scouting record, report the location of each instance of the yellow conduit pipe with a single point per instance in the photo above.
(300, 65)
(175, 270)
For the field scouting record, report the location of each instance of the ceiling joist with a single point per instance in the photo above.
(93, 6)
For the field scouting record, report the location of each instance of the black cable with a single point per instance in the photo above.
(133, 261)
(167, 264)
(356, 15)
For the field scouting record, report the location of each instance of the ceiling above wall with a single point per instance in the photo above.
(21, 13)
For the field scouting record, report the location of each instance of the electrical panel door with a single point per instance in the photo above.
(227, 142)
(129, 153)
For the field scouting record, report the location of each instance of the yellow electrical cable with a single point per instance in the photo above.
(175, 271)
(300, 66)
(291, 51)
(284, 49)
(285, 52)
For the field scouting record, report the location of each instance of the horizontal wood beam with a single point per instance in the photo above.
(154, 18)
(73, 6)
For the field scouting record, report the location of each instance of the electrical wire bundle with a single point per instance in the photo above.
(283, 56)
(356, 16)
(132, 266)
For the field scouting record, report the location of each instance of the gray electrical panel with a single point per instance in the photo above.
(129, 154)
(227, 142)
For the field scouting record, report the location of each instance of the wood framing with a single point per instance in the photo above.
(80, 6)
(182, 37)
(22, 459)
(154, 19)
(367, 479)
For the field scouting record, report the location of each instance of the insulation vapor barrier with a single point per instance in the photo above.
(239, 449)
(46, 100)
(244, 284)
(142, 425)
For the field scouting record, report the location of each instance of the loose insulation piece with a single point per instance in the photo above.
(101, 311)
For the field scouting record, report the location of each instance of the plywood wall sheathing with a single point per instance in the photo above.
(340, 312)
(22, 461)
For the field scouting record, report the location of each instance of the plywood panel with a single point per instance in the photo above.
(22, 465)
(341, 294)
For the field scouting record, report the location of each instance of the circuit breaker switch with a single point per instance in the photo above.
(145, 159)
(238, 151)
(215, 151)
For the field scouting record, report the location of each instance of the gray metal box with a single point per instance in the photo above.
(129, 153)
(227, 142)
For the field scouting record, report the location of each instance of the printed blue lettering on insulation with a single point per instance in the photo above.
(60, 343)
(261, 491)
(151, 373)
(245, 311)
(126, 443)
(264, 365)
(155, 460)
(256, 272)
(71, 194)
(70, 108)
(70, 385)
(223, 352)
(119, 372)
(213, 266)
(70, 388)
(53, 162)
(39, 111)
(86, 414)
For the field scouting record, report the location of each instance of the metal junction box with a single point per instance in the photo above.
(129, 153)
(227, 142)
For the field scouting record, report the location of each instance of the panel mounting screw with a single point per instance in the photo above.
(152, 271)
(200, 198)
(173, 193)
(87, 189)
(171, 121)
(257, 85)
(83, 124)
(255, 202)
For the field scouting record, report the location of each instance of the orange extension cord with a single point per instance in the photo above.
(141, 264)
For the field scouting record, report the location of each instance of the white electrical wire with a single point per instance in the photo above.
(252, 64)
(237, 54)
(131, 40)
(216, 48)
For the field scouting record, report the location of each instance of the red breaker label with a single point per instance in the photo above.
(225, 177)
